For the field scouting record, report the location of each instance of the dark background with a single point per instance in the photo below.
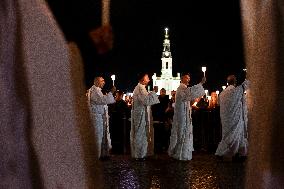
(202, 33)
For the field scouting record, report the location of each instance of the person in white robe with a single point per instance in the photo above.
(233, 113)
(99, 114)
(142, 132)
(181, 140)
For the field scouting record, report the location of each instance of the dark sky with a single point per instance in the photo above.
(202, 33)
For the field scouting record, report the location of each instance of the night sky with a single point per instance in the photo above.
(202, 33)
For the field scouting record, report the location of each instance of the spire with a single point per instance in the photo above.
(166, 33)
(167, 50)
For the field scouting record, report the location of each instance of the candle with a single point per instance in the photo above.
(206, 92)
(105, 12)
(204, 70)
(112, 78)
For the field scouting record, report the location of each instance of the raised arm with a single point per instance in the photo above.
(148, 99)
(99, 99)
(193, 92)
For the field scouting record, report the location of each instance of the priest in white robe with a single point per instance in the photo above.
(99, 114)
(142, 132)
(181, 140)
(233, 113)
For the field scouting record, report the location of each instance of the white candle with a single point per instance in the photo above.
(112, 78)
(209, 98)
(204, 70)
(105, 12)
(206, 92)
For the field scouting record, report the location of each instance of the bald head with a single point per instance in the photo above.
(231, 80)
(99, 82)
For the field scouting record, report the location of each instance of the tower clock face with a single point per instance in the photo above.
(167, 53)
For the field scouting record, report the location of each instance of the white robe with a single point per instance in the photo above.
(99, 114)
(181, 141)
(233, 113)
(142, 132)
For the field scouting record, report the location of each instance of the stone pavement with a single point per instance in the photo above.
(162, 172)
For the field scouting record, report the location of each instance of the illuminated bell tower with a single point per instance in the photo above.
(166, 81)
(166, 57)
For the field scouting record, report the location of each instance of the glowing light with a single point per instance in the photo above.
(204, 70)
(206, 92)
(217, 92)
(112, 78)
(223, 87)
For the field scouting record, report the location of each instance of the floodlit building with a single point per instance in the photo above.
(166, 80)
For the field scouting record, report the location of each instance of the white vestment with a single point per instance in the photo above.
(142, 132)
(181, 141)
(99, 114)
(233, 113)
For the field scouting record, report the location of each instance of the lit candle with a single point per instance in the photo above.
(112, 78)
(105, 12)
(206, 92)
(204, 70)
(217, 98)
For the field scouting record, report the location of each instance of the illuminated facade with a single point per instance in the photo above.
(166, 80)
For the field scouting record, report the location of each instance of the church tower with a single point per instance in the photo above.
(166, 57)
(166, 81)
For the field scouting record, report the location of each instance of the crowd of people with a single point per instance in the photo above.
(162, 124)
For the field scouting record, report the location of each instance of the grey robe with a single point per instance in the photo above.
(142, 132)
(44, 120)
(100, 118)
(181, 141)
(233, 113)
